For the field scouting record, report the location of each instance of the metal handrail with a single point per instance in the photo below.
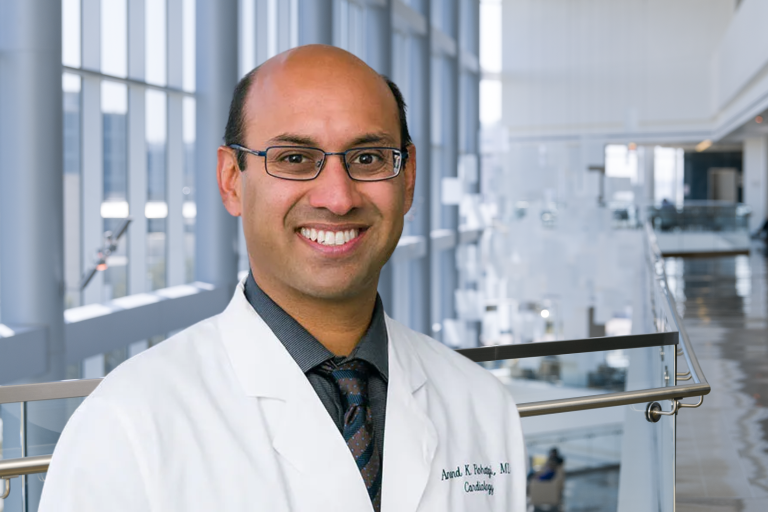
(47, 390)
(25, 466)
(690, 356)
(80, 388)
(562, 347)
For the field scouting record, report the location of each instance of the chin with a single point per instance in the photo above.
(332, 288)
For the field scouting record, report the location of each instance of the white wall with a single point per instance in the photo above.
(756, 179)
(611, 69)
(740, 67)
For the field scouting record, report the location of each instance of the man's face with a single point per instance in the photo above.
(331, 103)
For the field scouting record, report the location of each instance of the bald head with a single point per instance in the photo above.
(314, 72)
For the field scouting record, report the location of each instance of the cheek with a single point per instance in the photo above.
(265, 207)
(389, 199)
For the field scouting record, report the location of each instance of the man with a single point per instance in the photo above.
(302, 395)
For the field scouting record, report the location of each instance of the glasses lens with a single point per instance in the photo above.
(293, 163)
(371, 164)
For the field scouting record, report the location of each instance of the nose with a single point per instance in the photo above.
(333, 189)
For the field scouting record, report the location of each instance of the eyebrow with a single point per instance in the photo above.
(367, 138)
(292, 138)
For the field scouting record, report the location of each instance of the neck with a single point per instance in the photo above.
(338, 324)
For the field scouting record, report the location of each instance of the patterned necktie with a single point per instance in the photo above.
(352, 379)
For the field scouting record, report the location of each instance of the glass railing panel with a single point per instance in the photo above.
(577, 467)
(615, 459)
(717, 216)
(30, 429)
(559, 376)
(648, 479)
(11, 419)
(45, 421)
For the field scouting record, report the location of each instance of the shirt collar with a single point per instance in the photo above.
(304, 348)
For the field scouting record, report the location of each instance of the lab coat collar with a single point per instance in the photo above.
(261, 363)
(255, 352)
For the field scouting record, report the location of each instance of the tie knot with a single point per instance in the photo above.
(352, 379)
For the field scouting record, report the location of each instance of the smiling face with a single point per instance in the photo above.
(327, 238)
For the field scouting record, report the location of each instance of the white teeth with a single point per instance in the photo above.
(329, 237)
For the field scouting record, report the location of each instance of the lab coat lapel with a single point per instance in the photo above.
(410, 438)
(309, 440)
(306, 436)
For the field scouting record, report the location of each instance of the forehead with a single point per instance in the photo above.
(325, 99)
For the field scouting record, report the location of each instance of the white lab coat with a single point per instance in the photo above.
(220, 417)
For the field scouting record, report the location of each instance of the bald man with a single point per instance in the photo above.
(303, 395)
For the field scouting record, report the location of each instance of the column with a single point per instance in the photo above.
(756, 180)
(31, 172)
(31, 193)
(216, 77)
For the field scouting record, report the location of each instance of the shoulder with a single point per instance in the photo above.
(177, 366)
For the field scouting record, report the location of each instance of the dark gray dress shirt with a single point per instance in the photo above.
(309, 354)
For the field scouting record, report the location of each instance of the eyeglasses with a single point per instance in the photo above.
(300, 163)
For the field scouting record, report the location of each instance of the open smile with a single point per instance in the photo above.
(331, 237)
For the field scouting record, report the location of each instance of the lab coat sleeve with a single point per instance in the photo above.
(95, 466)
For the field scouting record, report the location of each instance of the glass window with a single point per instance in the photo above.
(155, 45)
(70, 33)
(114, 37)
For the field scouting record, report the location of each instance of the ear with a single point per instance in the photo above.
(228, 176)
(410, 177)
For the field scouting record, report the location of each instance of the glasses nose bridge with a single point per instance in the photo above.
(342, 155)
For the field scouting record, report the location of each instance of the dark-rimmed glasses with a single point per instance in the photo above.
(299, 163)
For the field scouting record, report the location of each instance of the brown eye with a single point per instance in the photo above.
(294, 159)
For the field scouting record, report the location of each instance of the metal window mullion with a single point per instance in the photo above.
(452, 150)
(283, 25)
(90, 43)
(176, 274)
(137, 190)
(175, 43)
(424, 82)
(378, 38)
(315, 22)
(262, 35)
(137, 149)
(378, 55)
(127, 81)
(92, 148)
(293, 24)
